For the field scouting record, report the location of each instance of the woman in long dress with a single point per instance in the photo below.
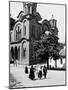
(40, 73)
(32, 75)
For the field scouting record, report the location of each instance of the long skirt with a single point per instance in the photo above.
(32, 75)
(40, 74)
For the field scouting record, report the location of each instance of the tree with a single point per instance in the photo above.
(47, 47)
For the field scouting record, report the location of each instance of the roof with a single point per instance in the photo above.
(37, 16)
(21, 12)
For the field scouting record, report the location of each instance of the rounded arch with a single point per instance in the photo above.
(18, 30)
(46, 26)
(17, 23)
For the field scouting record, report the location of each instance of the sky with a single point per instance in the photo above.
(46, 11)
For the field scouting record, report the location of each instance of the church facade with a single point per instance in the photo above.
(26, 28)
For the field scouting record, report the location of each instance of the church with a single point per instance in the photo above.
(25, 29)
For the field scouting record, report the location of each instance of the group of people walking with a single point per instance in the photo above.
(36, 71)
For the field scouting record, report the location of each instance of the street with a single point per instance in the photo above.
(53, 78)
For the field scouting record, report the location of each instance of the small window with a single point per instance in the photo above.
(24, 30)
(18, 33)
(24, 52)
(18, 28)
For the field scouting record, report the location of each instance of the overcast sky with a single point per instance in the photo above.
(46, 11)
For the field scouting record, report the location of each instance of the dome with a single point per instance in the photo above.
(37, 16)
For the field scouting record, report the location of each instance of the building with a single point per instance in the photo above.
(26, 28)
(59, 63)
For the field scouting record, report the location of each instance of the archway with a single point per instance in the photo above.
(12, 53)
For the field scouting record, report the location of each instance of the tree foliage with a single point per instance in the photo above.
(46, 47)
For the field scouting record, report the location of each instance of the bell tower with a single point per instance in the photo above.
(29, 8)
(53, 22)
(34, 7)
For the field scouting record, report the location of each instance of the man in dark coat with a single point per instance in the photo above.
(44, 71)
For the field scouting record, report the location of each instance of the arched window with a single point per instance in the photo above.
(24, 49)
(24, 52)
(24, 30)
(18, 32)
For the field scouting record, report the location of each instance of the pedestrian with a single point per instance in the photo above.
(44, 71)
(40, 74)
(32, 74)
(26, 70)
